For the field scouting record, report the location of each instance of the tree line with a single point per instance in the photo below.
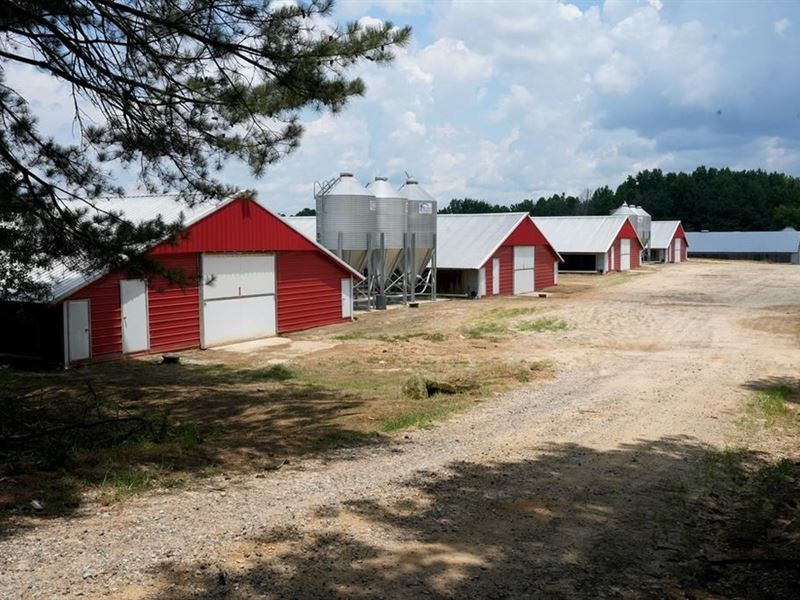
(707, 198)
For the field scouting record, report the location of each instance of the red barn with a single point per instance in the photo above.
(593, 244)
(668, 241)
(493, 254)
(248, 275)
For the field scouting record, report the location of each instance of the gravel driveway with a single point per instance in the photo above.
(555, 490)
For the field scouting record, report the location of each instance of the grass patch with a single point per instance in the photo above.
(512, 313)
(271, 373)
(487, 329)
(770, 405)
(542, 324)
(400, 337)
(120, 485)
(424, 418)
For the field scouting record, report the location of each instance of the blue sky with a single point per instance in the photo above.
(511, 100)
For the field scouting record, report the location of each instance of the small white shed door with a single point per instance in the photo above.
(523, 269)
(347, 298)
(624, 255)
(238, 297)
(677, 256)
(133, 299)
(495, 276)
(78, 347)
(481, 282)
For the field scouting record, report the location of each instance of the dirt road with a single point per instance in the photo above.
(564, 488)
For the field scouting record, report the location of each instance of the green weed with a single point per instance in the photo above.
(770, 405)
(542, 324)
(486, 329)
(421, 419)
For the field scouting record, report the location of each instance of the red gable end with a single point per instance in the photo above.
(243, 225)
(525, 234)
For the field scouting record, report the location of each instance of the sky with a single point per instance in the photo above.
(511, 100)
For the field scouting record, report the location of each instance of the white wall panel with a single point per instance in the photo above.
(237, 319)
(235, 275)
(523, 257)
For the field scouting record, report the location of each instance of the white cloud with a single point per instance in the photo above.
(452, 60)
(781, 25)
(617, 76)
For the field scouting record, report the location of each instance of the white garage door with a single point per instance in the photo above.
(238, 297)
(523, 269)
(677, 257)
(625, 255)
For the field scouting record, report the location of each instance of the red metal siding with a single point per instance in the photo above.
(174, 310)
(506, 256)
(488, 268)
(309, 291)
(545, 267)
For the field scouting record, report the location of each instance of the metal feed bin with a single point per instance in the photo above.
(391, 209)
(347, 219)
(421, 236)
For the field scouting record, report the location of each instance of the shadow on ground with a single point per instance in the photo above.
(133, 425)
(663, 519)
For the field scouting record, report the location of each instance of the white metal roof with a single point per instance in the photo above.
(749, 242)
(305, 225)
(581, 235)
(661, 233)
(66, 277)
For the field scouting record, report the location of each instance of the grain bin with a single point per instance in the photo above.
(645, 225)
(346, 219)
(421, 224)
(391, 210)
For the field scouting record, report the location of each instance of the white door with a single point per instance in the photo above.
(481, 282)
(135, 330)
(347, 298)
(495, 276)
(523, 269)
(677, 257)
(555, 273)
(238, 297)
(625, 255)
(78, 347)
(611, 260)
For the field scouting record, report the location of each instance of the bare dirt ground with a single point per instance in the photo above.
(581, 485)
